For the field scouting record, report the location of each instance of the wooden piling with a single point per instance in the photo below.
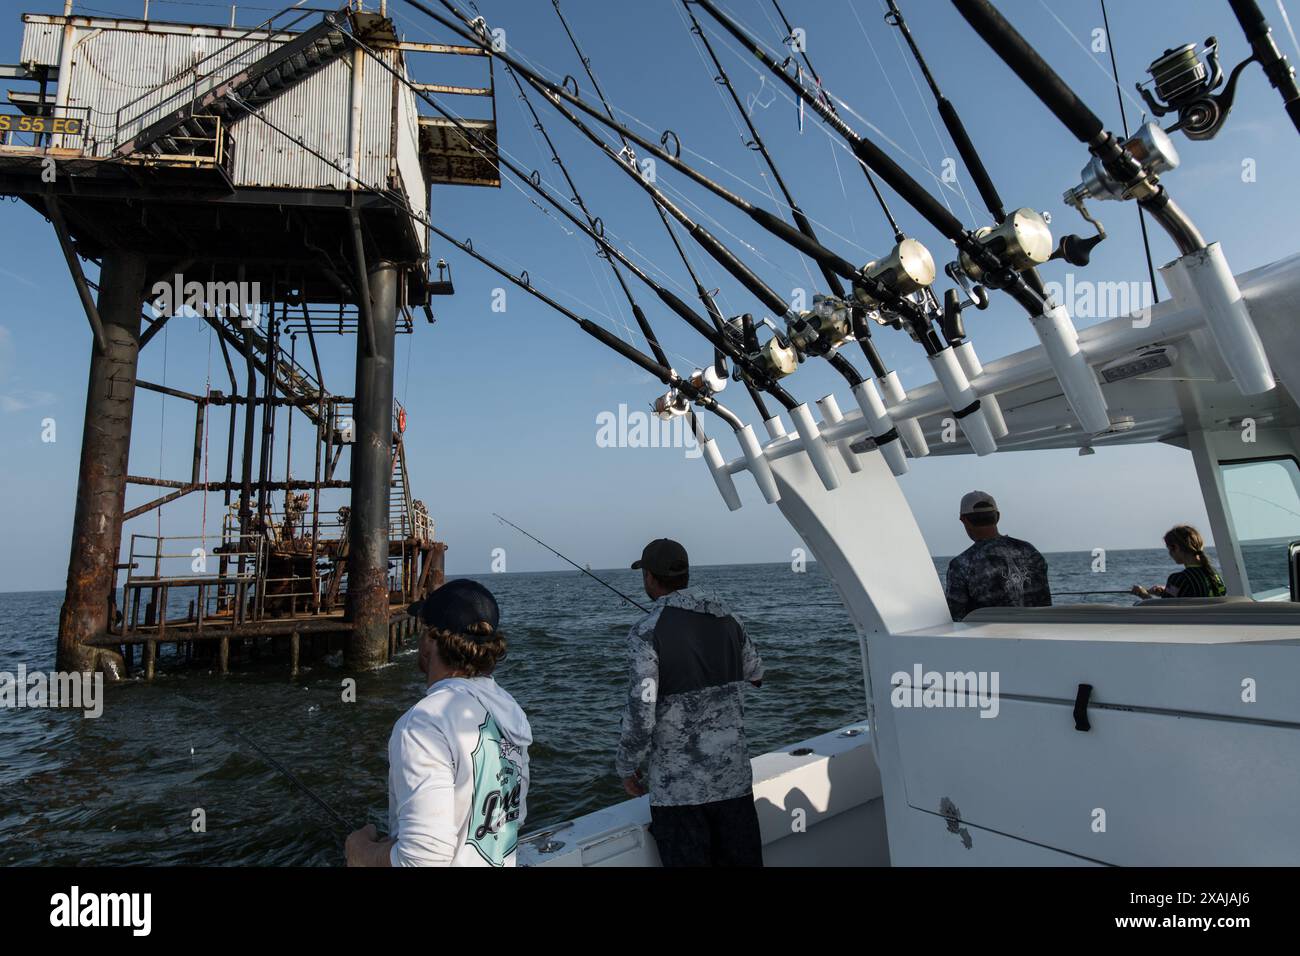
(293, 654)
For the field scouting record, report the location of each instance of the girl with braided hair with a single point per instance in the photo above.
(1198, 578)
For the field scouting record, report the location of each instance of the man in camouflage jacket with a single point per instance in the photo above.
(689, 660)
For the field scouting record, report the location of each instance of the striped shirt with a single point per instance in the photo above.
(1195, 581)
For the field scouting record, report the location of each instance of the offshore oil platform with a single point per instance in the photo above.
(274, 183)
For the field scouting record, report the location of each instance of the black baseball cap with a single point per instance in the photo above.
(456, 606)
(664, 558)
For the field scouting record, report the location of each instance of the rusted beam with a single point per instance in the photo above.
(159, 502)
(78, 276)
(296, 485)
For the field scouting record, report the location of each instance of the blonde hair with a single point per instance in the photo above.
(475, 652)
(1189, 540)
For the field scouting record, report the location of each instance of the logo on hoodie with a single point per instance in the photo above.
(498, 789)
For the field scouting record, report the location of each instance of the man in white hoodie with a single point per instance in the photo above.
(458, 759)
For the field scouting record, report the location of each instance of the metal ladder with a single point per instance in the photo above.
(217, 90)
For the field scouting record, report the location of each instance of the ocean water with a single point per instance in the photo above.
(123, 789)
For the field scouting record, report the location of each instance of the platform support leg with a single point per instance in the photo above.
(101, 480)
(372, 470)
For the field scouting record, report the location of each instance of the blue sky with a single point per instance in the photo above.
(504, 405)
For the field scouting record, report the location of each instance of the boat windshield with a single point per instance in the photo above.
(1263, 498)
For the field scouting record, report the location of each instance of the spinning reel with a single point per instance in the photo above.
(1184, 81)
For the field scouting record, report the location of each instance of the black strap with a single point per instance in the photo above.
(972, 407)
(1081, 707)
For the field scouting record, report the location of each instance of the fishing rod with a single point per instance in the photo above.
(1181, 83)
(716, 375)
(891, 385)
(696, 389)
(570, 561)
(994, 259)
(830, 104)
(749, 365)
(1074, 250)
(1131, 169)
(872, 281)
(706, 298)
(717, 380)
(781, 354)
(883, 429)
(340, 825)
(885, 284)
(807, 338)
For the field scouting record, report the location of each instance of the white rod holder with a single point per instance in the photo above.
(877, 419)
(831, 414)
(971, 365)
(721, 477)
(758, 466)
(1204, 277)
(910, 428)
(1082, 391)
(964, 402)
(775, 427)
(814, 445)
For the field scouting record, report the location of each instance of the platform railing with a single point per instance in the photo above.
(229, 592)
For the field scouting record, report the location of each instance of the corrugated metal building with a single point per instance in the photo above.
(124, 76)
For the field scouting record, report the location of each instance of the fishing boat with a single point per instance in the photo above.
(1165, 732)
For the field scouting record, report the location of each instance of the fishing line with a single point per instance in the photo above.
(830, 103)
(832, 98)
(894, 93)
(1286, 20)
(1123, 116)
(719, 80)
(666, 375)
(570, 561)
(929, 113)
(1091, 59)
(722, 170)
(340, 825)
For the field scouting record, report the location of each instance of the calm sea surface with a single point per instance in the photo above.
(122, 789)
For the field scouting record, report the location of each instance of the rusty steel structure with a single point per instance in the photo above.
(288, 159)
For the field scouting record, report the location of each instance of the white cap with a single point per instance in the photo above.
(978, 502)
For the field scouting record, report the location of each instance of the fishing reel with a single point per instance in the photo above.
(672, 404)
(1151, 146)
(709, 380)
(907, 269)
(775, 359)
(1184, 80)
(824, 329)
(1021, 241)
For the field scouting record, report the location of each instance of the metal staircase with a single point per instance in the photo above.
(245, 73)
(401, 517)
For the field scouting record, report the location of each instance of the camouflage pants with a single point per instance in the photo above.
(724, 833)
